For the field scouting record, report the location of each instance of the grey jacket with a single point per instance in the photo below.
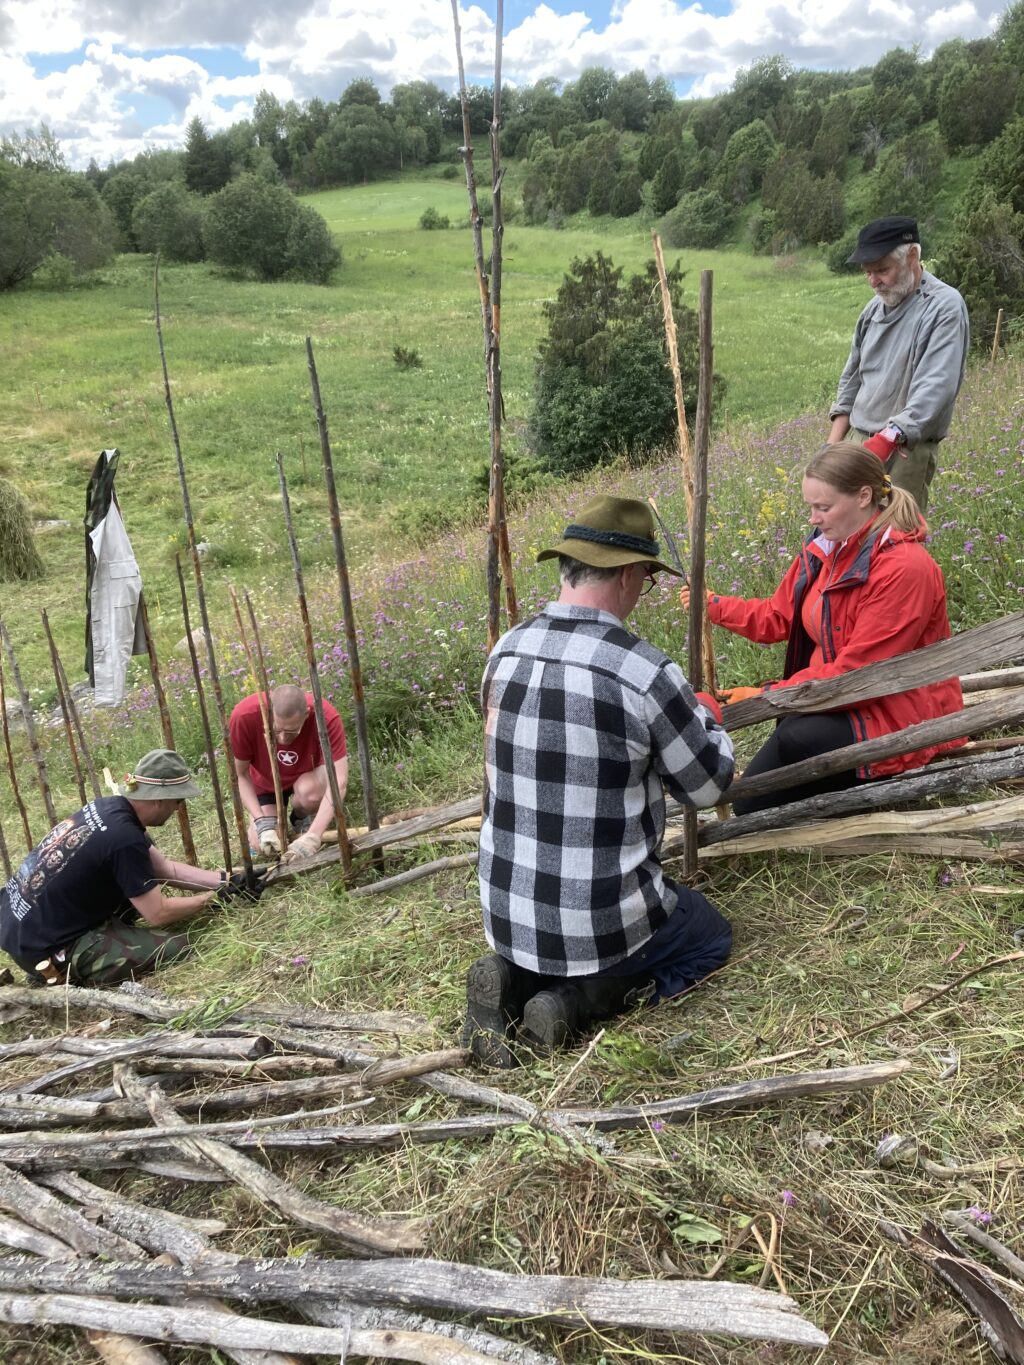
(906, 364)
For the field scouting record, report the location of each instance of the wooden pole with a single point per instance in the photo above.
(314, 677)
(5, 857)
(498, 554)
(345, 592)
(996, 337)
(204, 715)
(263, 695)
(83, 746)
(197, 570)
(167, 729)
(12, 771)
(698, 625)
(30, 727)
(62, 699)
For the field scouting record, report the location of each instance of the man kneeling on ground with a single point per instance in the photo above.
(586, 727)
(300, 766)
(86, 905)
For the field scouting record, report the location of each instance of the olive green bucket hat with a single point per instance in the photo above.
(160, 775)
(609, 533)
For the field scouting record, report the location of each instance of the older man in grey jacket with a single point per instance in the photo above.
(906, 364)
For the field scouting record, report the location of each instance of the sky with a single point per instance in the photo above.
(112, 77)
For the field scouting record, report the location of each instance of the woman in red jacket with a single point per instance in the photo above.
(863, 588)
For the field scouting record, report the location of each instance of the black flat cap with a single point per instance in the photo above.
(882, 236)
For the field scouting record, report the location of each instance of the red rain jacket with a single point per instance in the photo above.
(883, 595)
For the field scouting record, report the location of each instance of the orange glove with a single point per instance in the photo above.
(710, 703)
(684, 596)
(731, 695)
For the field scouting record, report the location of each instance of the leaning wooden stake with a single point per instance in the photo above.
(65, 713)
(167, 729)
(996, 337)
(698, 631)
(83, 745)
(30, 726)
(355, 673)
(499, 558)
(5, 857)
(12, 771)
(197, 570)
(259, 677)
(204, 716)
(314, 676)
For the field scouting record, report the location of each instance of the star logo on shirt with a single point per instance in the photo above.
(287, 758)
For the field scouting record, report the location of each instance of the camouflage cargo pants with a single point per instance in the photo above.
(122, 949)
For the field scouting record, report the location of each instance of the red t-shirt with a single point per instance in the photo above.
(300, 755)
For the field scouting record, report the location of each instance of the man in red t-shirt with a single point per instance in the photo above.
(300, 763)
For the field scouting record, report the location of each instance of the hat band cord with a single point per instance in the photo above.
(621, 539)
(160, 781)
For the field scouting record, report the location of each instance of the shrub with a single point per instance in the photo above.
(407, 359)
(55, 272)
(450, 173)
(170, 220)
(836, 255)
(254, 225)
(46, 211)
(19, 558)
(702, 218)
(985, 261)
(431, 220)
(603, 386)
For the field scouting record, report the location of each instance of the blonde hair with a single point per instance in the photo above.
(848, 467)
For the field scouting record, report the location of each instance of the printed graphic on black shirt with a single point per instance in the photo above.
(84, 871)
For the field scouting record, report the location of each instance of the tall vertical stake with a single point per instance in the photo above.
(698, 624)
(204, 615)
(314, 677)
(347, 612)
(263, 695)
(5, 857)
(65, 713)
(685, 451)
(499, 559)
(30, 727)
(83, 746)
(12, 770)
(166, 727)
(204, 715)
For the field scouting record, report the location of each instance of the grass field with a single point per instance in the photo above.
(82, 372)
(824, 948)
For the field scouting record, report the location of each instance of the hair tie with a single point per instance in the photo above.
(886, 484)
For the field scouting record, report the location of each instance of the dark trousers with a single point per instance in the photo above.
(794, 739)
(694, 941)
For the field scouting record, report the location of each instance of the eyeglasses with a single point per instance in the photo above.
(651, 574)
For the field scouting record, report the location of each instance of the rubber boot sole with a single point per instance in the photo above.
(550, 1021)
(489, 986)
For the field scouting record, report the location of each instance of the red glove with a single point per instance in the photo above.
(731, 695)
(884, 442)
(710, 704)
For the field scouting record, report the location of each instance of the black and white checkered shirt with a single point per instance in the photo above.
(586, 725)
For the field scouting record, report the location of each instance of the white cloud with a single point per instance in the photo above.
(302, 48)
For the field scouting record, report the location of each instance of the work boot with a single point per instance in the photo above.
(553, 1019)
(491, 1010)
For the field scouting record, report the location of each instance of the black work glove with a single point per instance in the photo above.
(234, 886)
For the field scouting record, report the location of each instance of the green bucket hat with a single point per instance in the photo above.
(160, 775)
(609, 533)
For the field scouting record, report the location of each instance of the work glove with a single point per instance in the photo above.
(731, 695)
(884, 442)
(684, 596)
(234, 887)
(709, 703)
(303, 847)
(267, 836)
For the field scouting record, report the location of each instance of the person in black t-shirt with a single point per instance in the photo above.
(86, 905)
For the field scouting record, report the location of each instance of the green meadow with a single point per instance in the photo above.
(82, 372)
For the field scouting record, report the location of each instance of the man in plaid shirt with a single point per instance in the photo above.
(586, 726)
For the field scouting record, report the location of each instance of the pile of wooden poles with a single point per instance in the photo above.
(208, 1087)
